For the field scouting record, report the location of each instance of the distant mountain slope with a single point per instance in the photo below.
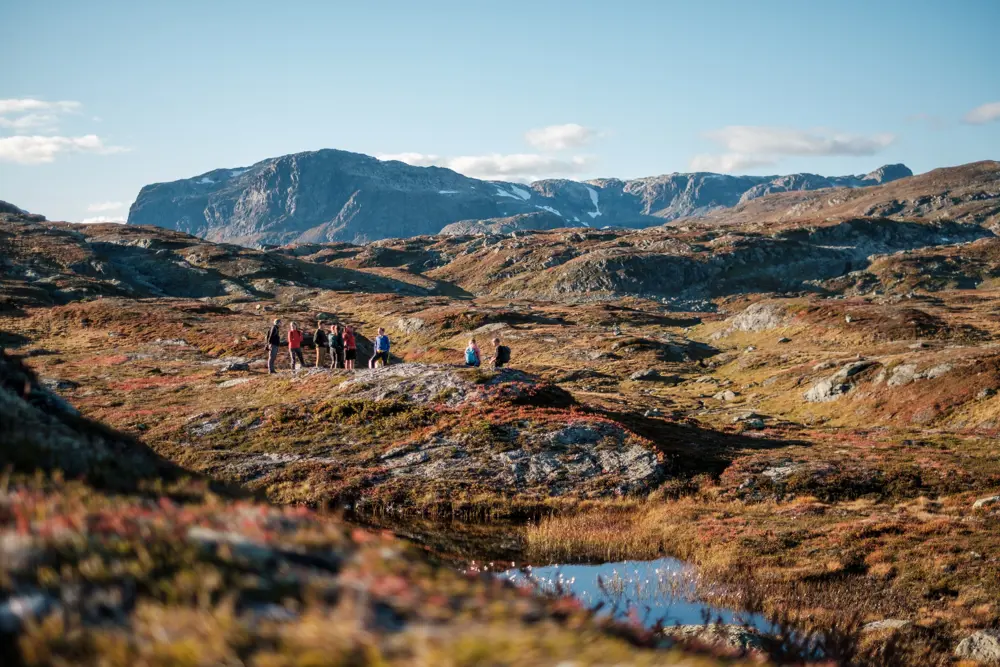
(968, 193)
(332, 195)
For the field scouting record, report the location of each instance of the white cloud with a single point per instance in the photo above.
(43, 149)
(10, 106)
(31, 121)
(503, 167)
(984, 113)
(728, 162)
(749, 146)
(42, 119)
(756, 140)
(416, 159)
(103, 218)
(106, 206)
(560, 137)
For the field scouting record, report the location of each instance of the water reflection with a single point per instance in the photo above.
(662, 590)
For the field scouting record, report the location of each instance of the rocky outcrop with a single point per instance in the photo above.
(736, 637)
(515, 223)
(838, 384)
(331, 195)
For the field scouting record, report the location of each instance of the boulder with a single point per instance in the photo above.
(727, 395)
(982, 647)
(838, 384)
(826, 390)
(983, 503)
(760, 317)
(646, 375)
(235, 367)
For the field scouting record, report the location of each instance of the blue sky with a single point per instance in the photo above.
(100, 98)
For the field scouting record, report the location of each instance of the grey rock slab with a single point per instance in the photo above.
(886, 624)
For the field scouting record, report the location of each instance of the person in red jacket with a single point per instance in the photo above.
(295, 345)
(350, 347)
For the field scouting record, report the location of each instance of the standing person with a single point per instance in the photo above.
(501, 355)
(273, 344)
(320, 340)
(472, 356)
(381, 349)
(336, 347)
(295, 345)
(350, 348)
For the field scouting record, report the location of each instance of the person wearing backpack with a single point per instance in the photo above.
(273, 344)
(501, 355)
(295, 345)
(472, 357)
(319, 338)
(336, 347)
(350, 348)
(381, 349)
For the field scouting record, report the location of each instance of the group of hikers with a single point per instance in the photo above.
(340, 343)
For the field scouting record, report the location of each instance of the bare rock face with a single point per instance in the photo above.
(593, 457)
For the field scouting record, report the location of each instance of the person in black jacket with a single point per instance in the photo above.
(319, 339)
(273, 344)
(501, 355)
(336, 347)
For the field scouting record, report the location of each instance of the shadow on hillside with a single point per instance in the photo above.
(693, 450)
(8, 339)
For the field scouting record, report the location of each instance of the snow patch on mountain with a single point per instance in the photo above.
(550, 210)
(520, 192)
(594, 198)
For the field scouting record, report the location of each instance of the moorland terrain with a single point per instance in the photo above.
(797, 395)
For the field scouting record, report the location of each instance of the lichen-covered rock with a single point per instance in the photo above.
(730, 636)
(982, 647)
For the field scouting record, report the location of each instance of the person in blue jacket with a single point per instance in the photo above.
(381, 349)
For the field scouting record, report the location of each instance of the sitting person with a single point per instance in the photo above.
(501, 355)
(472, 357)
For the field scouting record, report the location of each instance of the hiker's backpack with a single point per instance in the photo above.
(503, 355)
(470, 357)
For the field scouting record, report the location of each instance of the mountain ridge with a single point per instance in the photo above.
(331, 195)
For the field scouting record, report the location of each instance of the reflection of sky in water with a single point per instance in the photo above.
(658, 590)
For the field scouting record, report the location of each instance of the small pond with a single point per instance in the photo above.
(649, 592)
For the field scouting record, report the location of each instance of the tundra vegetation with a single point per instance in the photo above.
(805, 410)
